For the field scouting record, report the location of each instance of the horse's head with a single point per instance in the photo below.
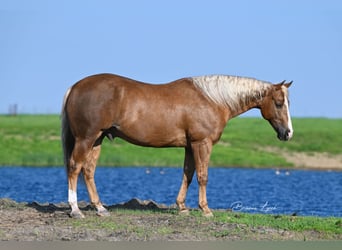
(275, 109)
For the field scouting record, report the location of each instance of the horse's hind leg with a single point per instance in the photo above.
(202, 151)
(77, 161)
(188, 173)
(89, 172)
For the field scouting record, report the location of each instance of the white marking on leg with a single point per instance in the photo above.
(72, 196)
(72, 199)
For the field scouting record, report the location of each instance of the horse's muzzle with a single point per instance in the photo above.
(284, 134)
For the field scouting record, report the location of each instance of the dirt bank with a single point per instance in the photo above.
(50, 222)
(313, 160)
(322, 161)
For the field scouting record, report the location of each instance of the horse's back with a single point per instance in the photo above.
(112, 83)
(104, 88)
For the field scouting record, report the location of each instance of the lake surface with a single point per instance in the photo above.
(302, 192)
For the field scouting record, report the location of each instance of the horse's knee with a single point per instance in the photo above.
(202, 179)
(88, 173)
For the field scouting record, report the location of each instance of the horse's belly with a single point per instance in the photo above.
(144, 135)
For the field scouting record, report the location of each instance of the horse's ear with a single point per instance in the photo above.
(279, 85)
(287, 85)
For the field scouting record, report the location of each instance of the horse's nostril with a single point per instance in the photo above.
(287, 136)
(284, 134)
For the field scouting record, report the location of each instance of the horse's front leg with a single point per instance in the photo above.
(202, 151)
(188, 173)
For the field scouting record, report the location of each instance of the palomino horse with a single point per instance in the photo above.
(189, 112)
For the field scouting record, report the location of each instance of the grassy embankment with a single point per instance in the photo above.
(249, 226)
(34, 140)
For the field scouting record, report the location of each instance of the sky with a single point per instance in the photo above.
(46, 46)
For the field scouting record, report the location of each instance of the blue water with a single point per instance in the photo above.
(302, 192)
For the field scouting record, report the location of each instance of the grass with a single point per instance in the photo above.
(291, 223)
(246, 225)
(28, 140)
(167, 223)
(34, 140)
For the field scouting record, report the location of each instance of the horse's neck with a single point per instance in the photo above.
(247, 103)
(243, 109)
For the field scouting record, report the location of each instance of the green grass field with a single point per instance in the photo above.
(34, 140)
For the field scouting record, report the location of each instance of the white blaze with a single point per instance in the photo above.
(289, 122)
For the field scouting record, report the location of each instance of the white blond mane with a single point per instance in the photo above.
(231, 91)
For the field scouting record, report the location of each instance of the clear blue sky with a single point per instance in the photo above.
(46, 46)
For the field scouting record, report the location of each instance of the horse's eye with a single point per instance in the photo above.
(279, 105)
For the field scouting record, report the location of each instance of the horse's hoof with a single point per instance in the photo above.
(103, 213)
(184, 212)
(76, 215)
(208, 214)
